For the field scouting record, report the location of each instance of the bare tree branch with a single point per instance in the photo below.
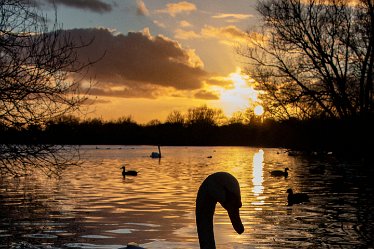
(314, 57)
(38, 65)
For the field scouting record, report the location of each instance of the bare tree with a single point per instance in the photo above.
(175, 117)
(37, 66)
(314, 58)
(205, 116)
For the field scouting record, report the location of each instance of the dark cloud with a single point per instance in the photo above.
(91, 5)
(220, 81)
(203, 94)
(133, 92)
(138, 63)
(91, 101)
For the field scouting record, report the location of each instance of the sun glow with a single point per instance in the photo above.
(240, 96)
(258, 110)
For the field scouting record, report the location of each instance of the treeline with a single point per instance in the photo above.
(318, 135)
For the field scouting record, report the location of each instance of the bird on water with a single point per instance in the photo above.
(296, 198)
(219, 187)
(128, 173)
(280, 172)
(156, 154)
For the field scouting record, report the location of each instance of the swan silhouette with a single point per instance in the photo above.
(128, 173)
(280, 172)
(219, 187)
(155, 154)
(296, 198)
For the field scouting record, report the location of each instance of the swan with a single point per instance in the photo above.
(128, 173)
(155, 154)
(219, 187)
(296, 198)
(280, 172)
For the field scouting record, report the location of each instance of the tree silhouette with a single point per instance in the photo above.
(314, 58)
(38, 67)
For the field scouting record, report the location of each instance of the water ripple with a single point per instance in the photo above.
(93, 206)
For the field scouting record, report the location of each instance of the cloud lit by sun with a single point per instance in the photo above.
(239, 96)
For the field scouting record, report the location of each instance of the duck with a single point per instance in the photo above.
(132, 246)
(280, 172)
(296, 198)
(219, 187)
(156, 154)
(128, 173)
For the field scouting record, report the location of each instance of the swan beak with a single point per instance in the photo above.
(235, 220)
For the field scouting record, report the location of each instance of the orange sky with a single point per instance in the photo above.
(161, 56)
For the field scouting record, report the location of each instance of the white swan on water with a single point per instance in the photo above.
(219, 187)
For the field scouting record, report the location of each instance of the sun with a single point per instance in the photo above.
(258, 110)
(240, 96)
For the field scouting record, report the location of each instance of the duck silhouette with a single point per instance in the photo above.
(128, 173)
(296, 198)
(280, 172)
(219, 187)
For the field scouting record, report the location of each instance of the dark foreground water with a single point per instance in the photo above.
(93, 206)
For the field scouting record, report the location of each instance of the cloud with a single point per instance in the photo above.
(159, 24)
(142, 9)
(185, 24)
(137, 64)
(136, 91)
(176, 8)
(91, 101)
(221, 81)
(230, 35)
(204, 94)
(232, 17)
(185, 35)
(92, 5)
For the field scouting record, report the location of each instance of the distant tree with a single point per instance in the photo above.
(154, 122)
(314, 58)
(175, 117)
(37, 64)
(238, 118)
(204, 115)
(94, 122)
(126, 120)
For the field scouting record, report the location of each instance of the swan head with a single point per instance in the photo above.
(285, 170)
(232, 204)
(224, 188)
(289, 191)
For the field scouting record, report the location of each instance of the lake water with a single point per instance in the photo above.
(93, 206)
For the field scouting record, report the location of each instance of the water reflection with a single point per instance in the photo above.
(258, 161)
(92, 206)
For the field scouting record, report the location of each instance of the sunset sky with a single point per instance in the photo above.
(161, 56)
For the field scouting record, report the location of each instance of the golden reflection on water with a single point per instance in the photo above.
(258, 179)
(94, 206)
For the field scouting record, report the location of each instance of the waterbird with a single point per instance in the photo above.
(296, 198)
(132, 246)
(156, 154)
(280, 172)
(128, 173)
(219, 187)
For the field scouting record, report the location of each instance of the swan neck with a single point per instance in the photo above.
(205, 208)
